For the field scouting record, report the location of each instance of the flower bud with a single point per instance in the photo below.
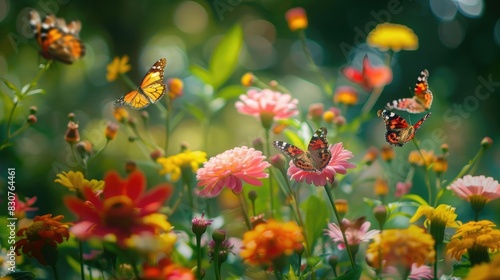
(346, 95)
(339, 120)
(315, 112)
(381, 187)
(444, 148)
(258, 144)
(33, 110)
(486, 142)
(296, 19)
(370, 156)
(32, 119)
(144, 115)
(219, 235)
(175, 88)
(380, 213)
(440, 164)
(278, 161)
(72, 135)
(199, 225)
(130, 166)
(84, 148)
(155, 154)
(333, 261)
(247, 79)
(71, 116)
(111, 130)
(120, 114)
(252, 195)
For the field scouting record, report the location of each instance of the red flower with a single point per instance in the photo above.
(121, 211)
(41, 237)
(370, 76)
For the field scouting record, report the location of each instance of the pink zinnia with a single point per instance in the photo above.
(229, 169)
(356, 232)
(476, 187)
(338, 164)
(267, 105)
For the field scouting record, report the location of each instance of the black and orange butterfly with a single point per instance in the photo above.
(151, 90)
(57, 39)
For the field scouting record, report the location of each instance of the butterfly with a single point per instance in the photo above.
(57, 39)
(151, 90)
(398, 130)
(317, 156)
(420, 102)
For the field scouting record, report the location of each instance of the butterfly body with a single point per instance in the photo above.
(57, 39)
(151, 90)
(317, 156)
(398, 130)
(420, 102)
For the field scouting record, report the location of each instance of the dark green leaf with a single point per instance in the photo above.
(316, 218)
(225, 56)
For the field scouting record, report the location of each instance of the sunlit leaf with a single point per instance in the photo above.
(414, 197)
(294, 138)
(202, 73)
(10, 85)
(291, 274)
(195, 111)
(35, 91)
(225, 56)
(316, 218)
(372, 202)
(231, 92)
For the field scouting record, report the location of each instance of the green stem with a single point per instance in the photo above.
(216, 261)
(244, 209)
(128, 81)
(337, 216)
(307, 52)
(80, 252)
(72, 147)
(374, 95)
(271, 181)
(435, 261)
(198, 257)
(426, 170)
(54, 270)
(167, 122)
(98, 152)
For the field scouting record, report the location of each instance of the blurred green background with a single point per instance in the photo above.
(459, 45)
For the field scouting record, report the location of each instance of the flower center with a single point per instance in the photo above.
(119, 212)
(32, 233)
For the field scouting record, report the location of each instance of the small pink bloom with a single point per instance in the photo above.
(402, 188)
(369, 77)
(24, 206)
(229, 169)
(476, 186)
(338, 164)
(267, 103)
(416, 273)
(356, 232)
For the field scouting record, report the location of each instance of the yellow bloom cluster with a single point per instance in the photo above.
(485, 271)
(472, 235)
(173, 165)
(395, 37)
(75, 181)
(442, 215)
(416, 158)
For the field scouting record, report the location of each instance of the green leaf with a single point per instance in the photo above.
(231, 92)
(35, 91)
(352, 274)
(372, 202)
(25, 88)
(225, 56)
(417, 198)
(10, 85)
(201, 73)
(316, 218)
(292, 275)
(194, 110)
(294, 138)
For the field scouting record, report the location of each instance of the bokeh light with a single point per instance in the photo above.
(190, 17)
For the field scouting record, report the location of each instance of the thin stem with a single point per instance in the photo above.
(54, 270)
(244, 209)
(374, 95)
(216, 261)
(271, 181)
(80, 252)
(426, 170)
(128, 81)
(167, 122)
(337, 216)
(198, 257)
(98, 152)
(307, 52)
(435, 261)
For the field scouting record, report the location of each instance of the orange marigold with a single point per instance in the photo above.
(269, 241)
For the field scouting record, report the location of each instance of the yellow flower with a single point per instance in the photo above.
(175, 164)
(381, 187)
(247, 79)
(175, 88)
(475, 238)
(269, 241)
(296, 19)
(346, 95)
(485, 271)
(116, 67)
(75, 181)
(120, 114)
(437, 219)
(440, 164)
(342, 206)
(387, 153)
(415, 158)
(328, 116)
(396, 37)
(401, 248)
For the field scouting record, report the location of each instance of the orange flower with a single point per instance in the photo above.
(39, 240)
(247, 79)
(346, 95)
(111, 130)
(166, 269)
(120, 114)
(175, 88)
(369, 77)
(269, 241)
(381, 187)
(416, 158)
(296, 19)
(387, 153)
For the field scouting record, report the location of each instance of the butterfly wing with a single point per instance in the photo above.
(299, 157)
(319, 150)
(352, 74)
(151, 90)
(420, 102)
(396, 128)
(417, 125)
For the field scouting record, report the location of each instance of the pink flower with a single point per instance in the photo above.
(369, 76)
(402, 188)
(267, 105)
(416, 273)
(356, 232)
(338, 164)
(476, 187)
(229, 169)
(24, 206)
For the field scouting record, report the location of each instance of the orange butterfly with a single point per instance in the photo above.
(57, 39)
(151, 90)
